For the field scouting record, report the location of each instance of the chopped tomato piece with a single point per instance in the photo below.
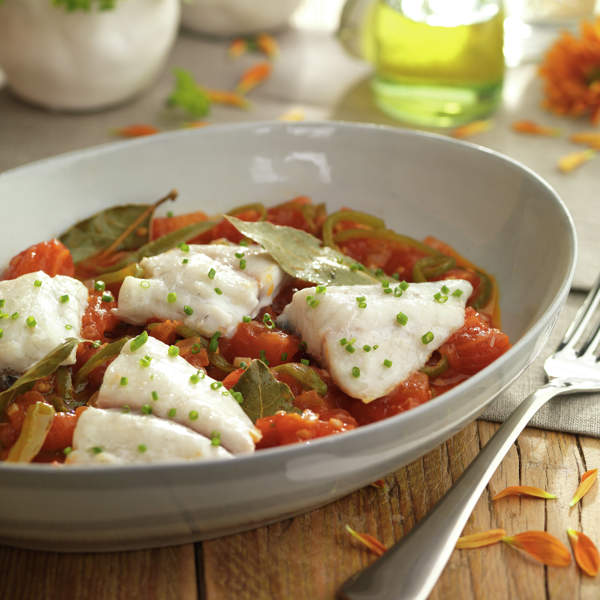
(165, 331)
(226, 230)
(288, 428)
(52, 257)
(475, 345)
(163, 225)
(193, 352)
(232, 378)
(290, 214)
(256, 340)
(98, 317)
(412, 392)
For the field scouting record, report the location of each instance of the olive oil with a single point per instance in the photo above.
(438, 63)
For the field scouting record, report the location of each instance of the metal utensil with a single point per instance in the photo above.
(410, 568)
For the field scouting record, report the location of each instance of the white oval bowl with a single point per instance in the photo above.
(493, 210)
(84, 60)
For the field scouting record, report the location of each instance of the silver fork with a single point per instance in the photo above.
(410, 568)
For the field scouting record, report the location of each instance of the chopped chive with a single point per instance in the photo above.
(123, 381)
(37, 283)
(219, 291)
(262, 355)
(170, 214)
(144, 284)
(343, 342)
(403, 286)
(243, 264)
(355, 372)
(215, 385)
(385, 283)
(184, 247)
(99, 285)
(95, 343)
(237, 396)
(457, 293)
(188, 310)
(67, 326)
(215, 438)
(239, 255)
(427, 337)
(2, 301)
(213, 345)
(31, 322)
(195, 378)
(212, 273)
(284, 356)
(154, 395)
(305, 362)
(246, 319)
(1, 333)
(367, 348)
(401, 318)
(362, 305)
(396, 276)
(268, 321)
(96, 450)
(139, 341)
(196, 348)
(142, 448)
(67, 450)
(3, 315)
(185, 261)
(243, 243)
(398, 291)
(379, 272)
(445, 289)
(146, 409)
(64, 299)
(243, 365)
(125, 408)
(387, 363)
(172, 412)
(171, 297)
(14, 316)
(225, 393)
(350, 348)
(354, 267)
(145, 361)
(193, 415)
(387, 290)
(440, 298)
(173, 351)
(108, 297)
(321, 289)
(375, 346)
(314, 303)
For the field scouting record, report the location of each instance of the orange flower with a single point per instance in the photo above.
(523, 490)
(587, 138)
(586, 553)
(534, 129)
(587, 479)
(267, 45)
(137, 130)
(542, 546)
(252, 77)
(379, 484)
(572, 161)
(571, 70)
(373, 544)
(483, 538)
(471, 129)
(238, 47)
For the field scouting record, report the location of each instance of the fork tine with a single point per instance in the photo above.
(589, 349)
(582, 318)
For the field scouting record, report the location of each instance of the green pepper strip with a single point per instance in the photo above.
(385, 234)
(64, 388)
(432, 266)
(257, 206)
(437, 369)
(36, 425)
(118, 276)
(216, 360)
(348, 215)
(485, 290)
(103, 355)
(305, 376)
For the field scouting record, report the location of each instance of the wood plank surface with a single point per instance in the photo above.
(309, 556)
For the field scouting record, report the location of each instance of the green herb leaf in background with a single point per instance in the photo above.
(44, 367)
(188, 95)
(301, 255)
(263, 394)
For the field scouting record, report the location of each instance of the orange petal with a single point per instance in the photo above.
(571, 161)
(483, 538)
(586, 553)
(267, 44)
(523, 490)
(196, 124)
(542, 546)
(471, 129)
(137, 130)
(533, 128)
(238, 47)
(228, 98)
(587, 138)
(252, 77)
(379, 484)
(295, 114)
(587, 481)
(369, 541)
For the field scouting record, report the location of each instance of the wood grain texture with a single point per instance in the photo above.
(309, 556)
(160, 574)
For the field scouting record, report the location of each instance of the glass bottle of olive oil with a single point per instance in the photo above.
(437, 62)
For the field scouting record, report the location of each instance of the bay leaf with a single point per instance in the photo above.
(301, 254)
(44, 367)
(104, 354)
(306, 376)
(263, 394)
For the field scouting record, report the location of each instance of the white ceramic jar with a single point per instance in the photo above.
(84, 60)
(236, 17)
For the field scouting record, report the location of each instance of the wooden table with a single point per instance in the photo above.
(308, 557)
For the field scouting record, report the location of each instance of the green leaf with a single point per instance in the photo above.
(90, 236)
(263, 394)
(301, 255)
(44, 367)
(103, 355)
(306, 376)
(188, 95)
(166, 242)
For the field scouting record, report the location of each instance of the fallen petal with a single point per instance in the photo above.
(369, 541)
(137, 130)
(585, 552)
(542, 546)
(523, 490)
(587, 138)
(253, 76)
(471, 129)
(532, 128)
(587, 481)
(483, 538)
(571, 161)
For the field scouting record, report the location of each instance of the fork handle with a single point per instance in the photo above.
(410, 568)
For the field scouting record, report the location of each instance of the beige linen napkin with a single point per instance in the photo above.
(574, 414)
